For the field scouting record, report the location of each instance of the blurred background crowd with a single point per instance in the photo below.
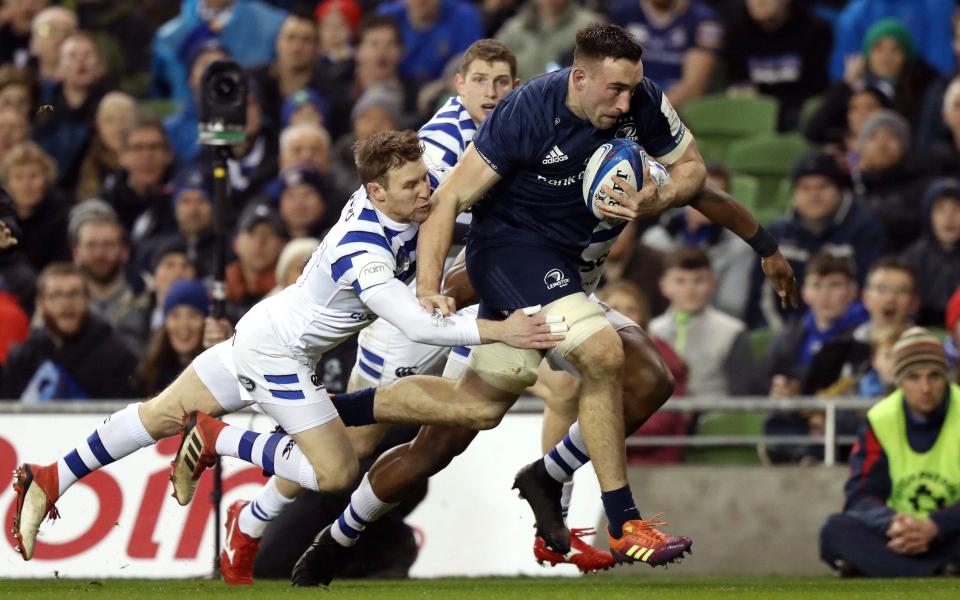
(836, 122)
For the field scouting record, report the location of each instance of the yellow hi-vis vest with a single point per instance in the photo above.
(921, 483)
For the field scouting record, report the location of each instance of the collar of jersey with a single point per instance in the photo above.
(390, 227)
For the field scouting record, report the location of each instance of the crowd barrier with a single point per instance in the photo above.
(122, 522)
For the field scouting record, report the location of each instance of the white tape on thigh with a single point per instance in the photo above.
(504, 367)
(582, 317)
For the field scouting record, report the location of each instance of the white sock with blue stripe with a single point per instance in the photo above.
(275, 453)
(568, 456)
(364, 508)
(258, 513)
(121, 434)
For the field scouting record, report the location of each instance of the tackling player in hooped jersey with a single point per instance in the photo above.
(357, 274)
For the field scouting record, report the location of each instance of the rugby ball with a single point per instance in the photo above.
(617, 158)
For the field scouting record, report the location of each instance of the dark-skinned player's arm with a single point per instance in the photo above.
(457, 285)
(465, 185)
(724, 210)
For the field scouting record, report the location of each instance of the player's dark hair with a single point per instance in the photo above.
(687, 259)
(826, 263)
(489, 51)
(381, 152)
(58, 269)
(379, 22)
(605, 40)
(893, 263)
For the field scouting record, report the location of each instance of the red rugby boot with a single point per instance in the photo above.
(239, 549)
(37, 490)
(587, 558)
(643, 542)
(197, 451)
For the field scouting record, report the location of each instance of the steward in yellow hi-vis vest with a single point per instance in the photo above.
(902, 514)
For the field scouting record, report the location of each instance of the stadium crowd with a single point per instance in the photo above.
(105, 293)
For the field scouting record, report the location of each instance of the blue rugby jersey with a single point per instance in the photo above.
(540, 150)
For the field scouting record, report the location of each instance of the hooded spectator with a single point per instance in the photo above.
(936, 255)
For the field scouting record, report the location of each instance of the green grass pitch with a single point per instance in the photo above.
(605, 588)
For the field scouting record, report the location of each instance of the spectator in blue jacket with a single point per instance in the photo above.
(929, 21)
(433, 32)
(902, 512)
(246, 28)
(65, 131)
(824, 215)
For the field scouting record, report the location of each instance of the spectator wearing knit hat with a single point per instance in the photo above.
(902, 512)
(936, 255)
(889, 53)
(823, 215)
(885, 181)
(927, 22)
(338, 22)
(179, 339)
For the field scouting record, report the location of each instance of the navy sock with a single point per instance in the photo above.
(355, 408)
(619, 506)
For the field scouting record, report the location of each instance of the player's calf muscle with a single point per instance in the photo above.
(647, 382)
(435, 401)
(162, 416)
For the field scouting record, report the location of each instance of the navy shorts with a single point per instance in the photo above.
(511, 276)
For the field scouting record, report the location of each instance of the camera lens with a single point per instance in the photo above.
(225, 87)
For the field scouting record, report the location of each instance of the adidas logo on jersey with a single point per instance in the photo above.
(556, 155)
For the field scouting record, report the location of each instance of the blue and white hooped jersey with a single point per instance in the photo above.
(325, 306)
(445, 138)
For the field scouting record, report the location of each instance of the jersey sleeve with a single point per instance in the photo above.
(362, 261)
(504, 138)
(662, 134)
(707, 30)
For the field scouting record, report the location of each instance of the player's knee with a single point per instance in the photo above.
(488, 415)
(339, 478)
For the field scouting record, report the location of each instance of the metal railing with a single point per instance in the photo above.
(533, 405)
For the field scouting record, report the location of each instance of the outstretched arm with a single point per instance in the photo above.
(465, 185)
(723, 209)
